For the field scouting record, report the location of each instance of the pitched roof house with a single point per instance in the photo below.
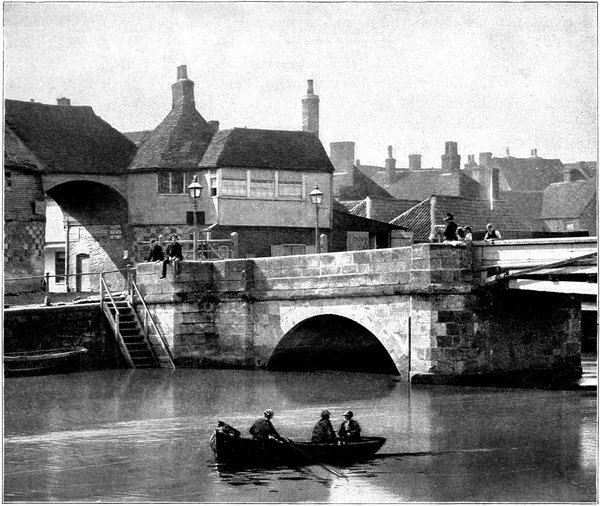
(425, 216)
(570, 206)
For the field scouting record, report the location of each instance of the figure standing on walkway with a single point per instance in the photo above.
(491, 233)
(450, 230)
(174, 256)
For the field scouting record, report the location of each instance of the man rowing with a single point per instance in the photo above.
(263, 429)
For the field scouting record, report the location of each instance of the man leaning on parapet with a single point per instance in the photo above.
(174, 256)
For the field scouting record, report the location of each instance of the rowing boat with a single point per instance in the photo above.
(241, 450)
(43, 361)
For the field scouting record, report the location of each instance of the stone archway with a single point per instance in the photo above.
(331, 342)
(96, 224)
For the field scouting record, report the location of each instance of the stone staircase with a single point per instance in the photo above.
(133, 337)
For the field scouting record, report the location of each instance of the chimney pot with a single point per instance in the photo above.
(214, 125)
(182, 72)
(310, 90)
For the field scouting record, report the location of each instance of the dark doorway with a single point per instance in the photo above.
(331, 342)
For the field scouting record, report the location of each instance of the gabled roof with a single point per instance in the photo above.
(267, 149)
(68, 139)
(179, 142)
(529, 174)
(354, 185)
(381, 209)
(567, 200)
(527, 206)
(473, 212)
(16, 153)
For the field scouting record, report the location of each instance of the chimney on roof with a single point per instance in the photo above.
(310, 110)
(183, 89)
(342, 155)
(63, 101)
(534, 153)
(32, 100)
(214, 125)
(451, 158)
(414, 162)
(485, 159)
(357, 163)
(390, 167)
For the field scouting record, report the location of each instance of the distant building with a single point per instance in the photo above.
(570, 206)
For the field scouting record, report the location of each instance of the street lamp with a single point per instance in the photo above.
(316, 197)
(195, 190)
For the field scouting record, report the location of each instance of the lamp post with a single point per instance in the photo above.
(195, 190)
(316, 197)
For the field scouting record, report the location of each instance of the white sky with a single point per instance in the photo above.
(410, 75)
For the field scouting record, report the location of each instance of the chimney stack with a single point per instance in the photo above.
(342, 155)
(390, 167)
(214, 125)
(451, 158)
(310, 110)
(534, 153)
(414, 162)
(63, 101)
(183, 89)
(485, 159)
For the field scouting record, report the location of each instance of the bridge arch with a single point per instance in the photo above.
(330, 341)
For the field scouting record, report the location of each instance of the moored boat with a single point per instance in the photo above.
(43, 361)
(241, 450)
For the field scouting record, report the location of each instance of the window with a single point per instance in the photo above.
(290, 185)
(213, 184)
(262, 184)
(189, 217)
(173, 182)
(233, 183)
(114, 232)
(59, 267)
(8, 180)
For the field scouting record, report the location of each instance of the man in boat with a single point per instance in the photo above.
(323, 431)
(227, 429)
(350, 429)
(263, 429)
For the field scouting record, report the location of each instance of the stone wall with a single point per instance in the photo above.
(419, 302)
(42, 328)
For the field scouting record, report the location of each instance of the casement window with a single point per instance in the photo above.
(290, 185)
(234, 183)
(262, 184)
(59, 266)
(174, 182)
(213, 183)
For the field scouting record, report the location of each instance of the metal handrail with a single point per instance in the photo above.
(114, 320)
(148, 318)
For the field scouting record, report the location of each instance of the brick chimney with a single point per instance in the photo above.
(63, 101)
(214, 125)
(485, 159)
(342, 155)
(451, 158)
(183, 89)
(390, 167)
(414, 162)
(534, 153)
(310, 110)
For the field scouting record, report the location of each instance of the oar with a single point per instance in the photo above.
(310, 459)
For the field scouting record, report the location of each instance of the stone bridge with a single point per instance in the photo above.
(416, 312)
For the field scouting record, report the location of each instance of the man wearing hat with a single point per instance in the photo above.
(323, 431)
(263, 429)
(450, 230)
(350, 429)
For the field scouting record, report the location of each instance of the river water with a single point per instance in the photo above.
(142, 436)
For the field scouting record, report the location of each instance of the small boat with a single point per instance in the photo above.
(21, 363)
(242, 450)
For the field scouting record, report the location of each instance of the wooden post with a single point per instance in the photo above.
(409, 347)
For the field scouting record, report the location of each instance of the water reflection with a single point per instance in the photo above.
(142, 436)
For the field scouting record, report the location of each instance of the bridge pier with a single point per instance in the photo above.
(243, 313)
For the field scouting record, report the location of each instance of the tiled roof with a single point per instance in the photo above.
(267, 149)
(381, 209)
(419, 184)
(529, 174)
(473, 212)
(16, 153)
(567, 200)
(137, 137)
(586, 169)
(354, 185)
(527, 206)
(69, 139)
(179, 142)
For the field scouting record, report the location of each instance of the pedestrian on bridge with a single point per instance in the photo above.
(491, 233)
(156, 252)
(174, 256)
(450, 230)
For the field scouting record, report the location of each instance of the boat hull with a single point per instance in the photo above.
(243, 451)
(43, 361)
